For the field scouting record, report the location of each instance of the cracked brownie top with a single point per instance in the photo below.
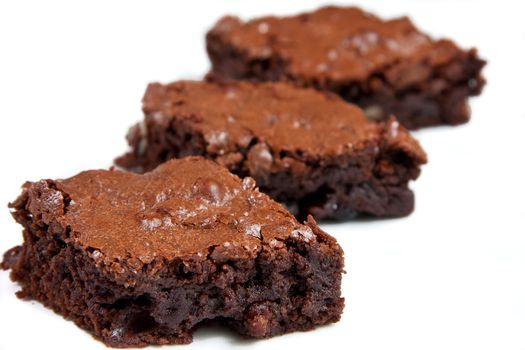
(187, 207)
(268, 119)
(335, 43)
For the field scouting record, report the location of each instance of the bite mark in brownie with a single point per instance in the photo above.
(384, 66)
(307, 149)
(144, 259)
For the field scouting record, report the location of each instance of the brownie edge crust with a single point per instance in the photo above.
(141, 260)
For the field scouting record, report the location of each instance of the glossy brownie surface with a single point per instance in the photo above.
(180, 209)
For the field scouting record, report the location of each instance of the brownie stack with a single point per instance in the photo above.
(215, 217)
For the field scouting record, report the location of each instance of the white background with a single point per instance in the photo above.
(450, 276)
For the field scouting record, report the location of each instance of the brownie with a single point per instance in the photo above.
(307, 149)
(144, 259)
(384, 66)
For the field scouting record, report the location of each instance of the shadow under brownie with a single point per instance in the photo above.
(384, 66)
(143, 259)
(307, 149)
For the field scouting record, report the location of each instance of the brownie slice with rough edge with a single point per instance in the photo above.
(144, 259)
(307, 149)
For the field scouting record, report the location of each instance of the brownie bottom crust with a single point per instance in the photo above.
(292, 285)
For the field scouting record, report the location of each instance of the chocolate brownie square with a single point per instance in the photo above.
(144, 259)
(384, 66)
(307, 149)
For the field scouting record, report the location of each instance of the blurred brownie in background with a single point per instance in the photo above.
(384, 66)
